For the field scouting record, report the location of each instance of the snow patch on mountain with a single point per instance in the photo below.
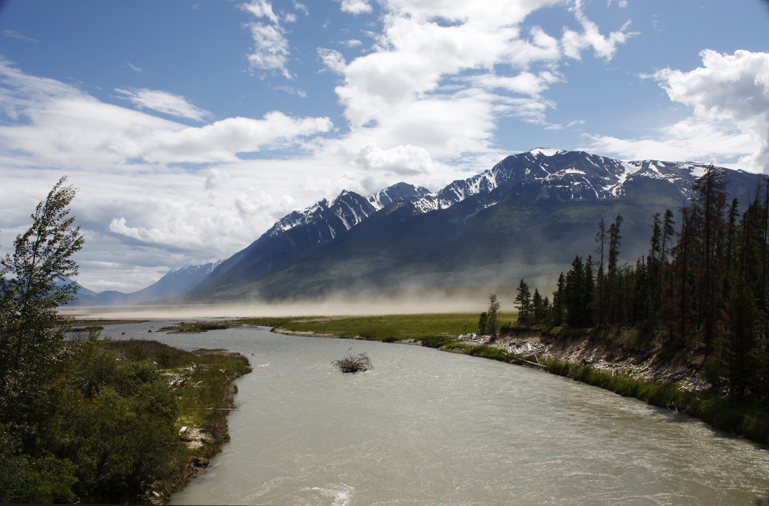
(546, 151)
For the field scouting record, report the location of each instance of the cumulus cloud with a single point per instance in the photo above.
(164, 102)
(68, 128)
(218, 142)
(271, 47)
(731, 87)
(475, 55)
(402, 160)
(693, 139)
(729, 95)
(356, 6)
(332, 59)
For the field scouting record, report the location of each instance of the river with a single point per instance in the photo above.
(426, 427)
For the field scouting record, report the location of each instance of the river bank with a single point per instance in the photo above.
(203, 383)
(611, 360)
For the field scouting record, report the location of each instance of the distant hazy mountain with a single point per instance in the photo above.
(527, 216)
(173, 284)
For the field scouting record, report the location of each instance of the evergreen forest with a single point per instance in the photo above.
(701, 288)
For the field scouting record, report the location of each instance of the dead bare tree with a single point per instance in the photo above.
(354, 363)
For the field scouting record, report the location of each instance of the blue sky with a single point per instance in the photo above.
(191, 126)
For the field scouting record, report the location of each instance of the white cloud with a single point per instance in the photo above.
(133, 67)
(13, 34)
(164, 102)
(218, 142)
(731, 87)
(604, 47)
(300, 7)
(525, 83)
(729, 95)
(356, 6)
(261, 9)
(332, 59)
(424, 103)
(271, 48)
(402, 160)
(693, 139)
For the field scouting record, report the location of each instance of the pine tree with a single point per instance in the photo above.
(482, 323)
(492, 315)
(558, 305)
(523, 301)
(741, 316)
(538, 307)
(614, 245)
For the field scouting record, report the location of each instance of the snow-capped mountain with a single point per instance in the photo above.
(549, 177)
(566, 175)
(325, 220)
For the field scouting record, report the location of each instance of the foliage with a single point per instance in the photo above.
(81, 422)
(703, 287)
(523, 300)
(31, 289)
(482, 321)
(492, 315)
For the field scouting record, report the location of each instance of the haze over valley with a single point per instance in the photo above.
(190, 138)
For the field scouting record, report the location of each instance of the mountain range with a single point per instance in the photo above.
(527, 216)
(172, 284)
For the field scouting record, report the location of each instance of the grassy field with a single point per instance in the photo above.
(384, 328)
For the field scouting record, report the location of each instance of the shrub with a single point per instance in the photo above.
(354, 363)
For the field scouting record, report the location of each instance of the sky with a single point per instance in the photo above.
(190, 126)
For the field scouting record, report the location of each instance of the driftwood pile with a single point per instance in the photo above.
(354, 363)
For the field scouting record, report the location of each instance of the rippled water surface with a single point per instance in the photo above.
(428, 427)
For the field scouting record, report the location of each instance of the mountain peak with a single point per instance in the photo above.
(547, 151)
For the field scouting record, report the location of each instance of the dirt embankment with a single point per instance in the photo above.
(608, 350)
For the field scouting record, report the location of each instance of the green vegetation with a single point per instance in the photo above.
(429, 328)
(739, 416)
(704, 289)
(91, 420)
(197, 327)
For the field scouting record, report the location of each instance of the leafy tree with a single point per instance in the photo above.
(31, 332)
(31, 289)
(492, 319)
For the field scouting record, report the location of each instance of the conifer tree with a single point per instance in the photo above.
(537, 306)
(523, 301)
(492, 315)
(614, 245)
(558, 305)
(741, 316)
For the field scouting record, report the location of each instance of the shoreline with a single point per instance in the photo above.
(637, 375)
